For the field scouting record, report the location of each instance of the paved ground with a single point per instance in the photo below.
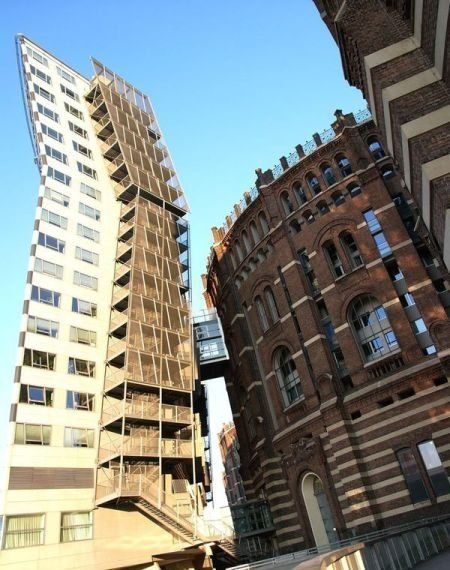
(439, 562)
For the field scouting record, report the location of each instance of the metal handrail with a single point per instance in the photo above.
(362, 538)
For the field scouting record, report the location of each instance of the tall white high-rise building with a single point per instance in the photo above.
(106, 462)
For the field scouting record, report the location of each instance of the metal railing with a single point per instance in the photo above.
(403, 546)
(294, 158)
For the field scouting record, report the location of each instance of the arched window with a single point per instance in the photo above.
(338, 198)
(286, 203)
(354, 189)
(273, 309)
(334, 260)
(314, 184)
(233, 259)
(343, 163)
(287, 376)
(237, 247)
(246, 241)
(387, 171)
(323, 208)
(351, 249)
(309, 217)
(254, 231)
(375, 148)
(371, 327)
(262, 315)
(264, 223)
(328, 174)
(300, 194)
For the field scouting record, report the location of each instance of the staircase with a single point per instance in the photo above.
(183, 528)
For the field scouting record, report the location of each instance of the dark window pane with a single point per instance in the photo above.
(413, 478)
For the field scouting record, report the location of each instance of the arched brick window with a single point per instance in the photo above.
(328, 174)
(343, 163)
(286, 203)
(371, 327)
(287, 376)
(254, 231)
(313, 183)
(300, 194)
(264, 223)
(271, 304)
(262, 315)
(351, 250)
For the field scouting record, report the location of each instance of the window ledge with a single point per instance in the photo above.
(349, 273)
(294, 404)
(422, 504)
(385, 357)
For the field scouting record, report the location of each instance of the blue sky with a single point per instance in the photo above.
(235, 85)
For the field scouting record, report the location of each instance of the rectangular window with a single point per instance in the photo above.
(81, 367)
(77, 147)
(39, 359)
(73, 111)
(69, 92)
(86, 170)
(84, 307)
(46, 296)
(377, 233)
(57, 197)
(51, 242)
(65, 75)
(86, 255)
(43, 93)
(24, 530)
(37, 56)
(407, 300)
(48, 113)
(412, 475)
(40, 74)
(83, 336)
(89, 211)
(59, 176)
(80, 401)
(39, 325)
(419, 326)
(391, 339)
(55, 219)
(89, 191)
(78, 437)
(36, 395)
(56, 154)
(85, 280)
(52, 133)
(88, 233)
(32, 434)
(78, 130)
(435, 470)
(52, 269)
(76, 526)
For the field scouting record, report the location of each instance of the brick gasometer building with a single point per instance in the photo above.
(397, 53)
(333, 310)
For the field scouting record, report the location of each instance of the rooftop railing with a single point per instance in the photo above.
(294, 158)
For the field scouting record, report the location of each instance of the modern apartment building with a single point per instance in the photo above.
(398, 53)
(334, 314)
(106, 460)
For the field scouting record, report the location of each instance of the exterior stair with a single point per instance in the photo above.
(183, 528)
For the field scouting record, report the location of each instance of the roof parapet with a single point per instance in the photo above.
(301, 151)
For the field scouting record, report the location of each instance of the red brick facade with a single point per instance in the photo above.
(334, 411)
(401, 62)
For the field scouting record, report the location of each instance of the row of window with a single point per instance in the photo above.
(40, 58)
(39, 325)
(40, 396)
(38, 434)
(60, 156)
(53, 298)
(47, 361)
(23, 531)
(256, 234)
(59, 245)
(56, 271)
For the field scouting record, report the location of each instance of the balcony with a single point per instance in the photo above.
(122, 273)
(145, 410)
(117, 168)
(104, 128)
(252, 518)
(116, 348)
(125, 230)
(124, 250)
(139, 446)
(118, 322)
(125, 189)
(127, 211)
(120, 297)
